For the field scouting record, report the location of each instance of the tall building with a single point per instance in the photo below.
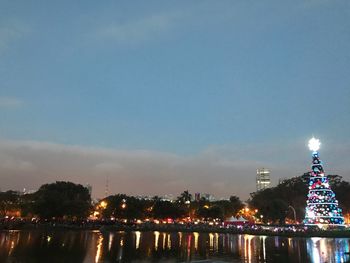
(262, 179)
(197, 196)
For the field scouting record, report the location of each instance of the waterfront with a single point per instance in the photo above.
(136, 246)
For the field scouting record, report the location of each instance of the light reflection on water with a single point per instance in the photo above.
(93, 246)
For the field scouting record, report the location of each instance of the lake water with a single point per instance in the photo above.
(93, 246)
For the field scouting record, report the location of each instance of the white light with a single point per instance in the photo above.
(311, 214)
(314, 144)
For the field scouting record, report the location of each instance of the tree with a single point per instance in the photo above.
(236, 204)
(212, 212)
(9, 201)
(270, 204)
(167, 209)
(62, 199)
(322, 205)
(185, 197)
(125, 207)
(26, 204)
(342, 191)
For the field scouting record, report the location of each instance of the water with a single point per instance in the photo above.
(93, 246)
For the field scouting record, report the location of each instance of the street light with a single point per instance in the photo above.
(123, 204)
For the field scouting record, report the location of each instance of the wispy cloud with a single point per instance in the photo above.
(10, 102)
(139, 30)
(10, 31)
(221, 170)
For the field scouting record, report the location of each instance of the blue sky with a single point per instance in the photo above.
(177, 77)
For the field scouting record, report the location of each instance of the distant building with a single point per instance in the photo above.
(282, 180)
(262, 179)
(25, 191)
(168, 197)
(209, 197)
(197, 196)
(144, 197)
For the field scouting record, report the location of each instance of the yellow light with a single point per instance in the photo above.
(99, 249)
(103, 204)
(138, 237)
(96, 213)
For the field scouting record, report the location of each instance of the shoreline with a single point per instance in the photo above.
(285, 232)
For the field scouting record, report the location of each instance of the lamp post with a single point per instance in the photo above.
(294, 213)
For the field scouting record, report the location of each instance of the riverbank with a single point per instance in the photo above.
(265, 230)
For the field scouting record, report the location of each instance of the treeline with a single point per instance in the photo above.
(66, 200)
(276, 204)
(56, 200)
(129, 207)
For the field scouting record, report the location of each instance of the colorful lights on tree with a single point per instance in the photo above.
(322, 206)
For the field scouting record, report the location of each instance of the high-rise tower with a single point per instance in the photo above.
(262, 179)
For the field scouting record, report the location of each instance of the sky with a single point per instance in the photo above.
(164, 96)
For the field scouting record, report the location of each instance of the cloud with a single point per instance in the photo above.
(10, 102)
(139, 30)
(220, 170)
(11, 31)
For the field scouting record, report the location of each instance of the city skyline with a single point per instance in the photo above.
(162, 97)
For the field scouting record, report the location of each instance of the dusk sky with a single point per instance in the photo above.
(165, 96)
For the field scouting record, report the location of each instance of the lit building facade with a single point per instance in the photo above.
(262, 179)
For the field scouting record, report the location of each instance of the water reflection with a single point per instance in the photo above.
(138, 237)
(93, 246)
(156, 239)
(99, 247)
(328, 250)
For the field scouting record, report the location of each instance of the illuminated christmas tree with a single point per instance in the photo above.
(322, 206)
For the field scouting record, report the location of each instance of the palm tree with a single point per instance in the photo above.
(185, 197)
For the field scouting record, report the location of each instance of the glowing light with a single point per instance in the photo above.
(156, 239)
(169, 242)
(211, 241)
(103, 204)
(164, 236)
(314, 144)
(311, 214)
(196, 235)
(180, 238)
(99, 249)
(264, 247)
(110, 240)
(138, 237)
